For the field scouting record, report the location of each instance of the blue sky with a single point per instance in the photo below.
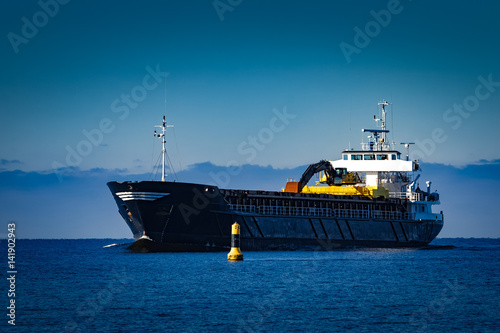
(88, 79)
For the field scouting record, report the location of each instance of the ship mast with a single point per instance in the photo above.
(163, 151)
(377, 141)
(382, 125)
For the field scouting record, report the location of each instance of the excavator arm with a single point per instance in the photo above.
(322, 165)
(332, 176)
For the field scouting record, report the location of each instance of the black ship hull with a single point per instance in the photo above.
(173, 217)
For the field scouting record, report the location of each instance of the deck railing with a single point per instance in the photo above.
(405, 195)
(352, 213)
(296, 211)
(323, 212)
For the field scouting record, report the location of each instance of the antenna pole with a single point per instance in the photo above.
(407, 146)
(163, 150)
(163, 125)
(383, 104)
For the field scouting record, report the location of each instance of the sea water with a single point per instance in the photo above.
(89, 286)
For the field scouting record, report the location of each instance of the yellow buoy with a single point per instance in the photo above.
(235, 253)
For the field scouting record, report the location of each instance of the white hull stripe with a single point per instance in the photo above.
(148, 196)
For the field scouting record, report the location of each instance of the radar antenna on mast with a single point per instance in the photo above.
(407, 146)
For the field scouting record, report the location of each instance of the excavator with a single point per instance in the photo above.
(339, 181)
(331, 177)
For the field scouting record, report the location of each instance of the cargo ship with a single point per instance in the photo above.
(369, 198)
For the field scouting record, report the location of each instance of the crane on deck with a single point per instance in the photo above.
(332, 176)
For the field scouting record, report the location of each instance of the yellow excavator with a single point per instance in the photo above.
(338, 182)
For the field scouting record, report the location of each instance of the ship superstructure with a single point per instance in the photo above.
(367, 198)
(377, 170)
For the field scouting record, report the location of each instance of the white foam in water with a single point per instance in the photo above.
(110, 245)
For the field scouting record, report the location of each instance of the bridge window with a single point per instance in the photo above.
(369, 157)
(356, 157)
(381, 157)
(345, 156)
(393, 157)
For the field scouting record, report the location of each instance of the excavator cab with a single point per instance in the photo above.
(341, 177)
(350, 178)
(334, 178)
(341, 172)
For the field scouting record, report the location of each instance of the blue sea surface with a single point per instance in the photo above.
(83, 286)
